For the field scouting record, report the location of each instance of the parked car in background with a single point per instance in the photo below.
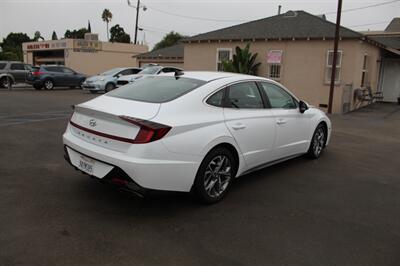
(50, 76)
(150, 70)
(192, 131)
(107, 81)
(13, 71)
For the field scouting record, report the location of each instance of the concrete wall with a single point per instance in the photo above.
(303, 65)
(112, 55)
(109, 55)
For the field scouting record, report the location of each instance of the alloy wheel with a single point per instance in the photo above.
(217, 176)
(48, 84)
(318, 141)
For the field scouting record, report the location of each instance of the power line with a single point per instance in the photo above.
(241, 20)
(363, 7)
(196, 18)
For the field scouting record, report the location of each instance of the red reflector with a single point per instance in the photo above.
(37, 73)
(118, 181)
(149, 131)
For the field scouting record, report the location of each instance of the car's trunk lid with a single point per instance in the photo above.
(99, 121)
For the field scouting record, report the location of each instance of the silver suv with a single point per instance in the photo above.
(13, 71)
(107, 81)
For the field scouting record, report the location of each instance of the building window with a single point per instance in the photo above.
(364, 72)
(274, 71)
(329, 62)
(223, 54)
(274, 62)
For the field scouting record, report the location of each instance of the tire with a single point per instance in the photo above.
(210, 186)
(4, 82)
(48, 84)
(37, 87)
(109, 87)
(318, 142)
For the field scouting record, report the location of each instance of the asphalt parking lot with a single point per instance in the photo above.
(343, 209)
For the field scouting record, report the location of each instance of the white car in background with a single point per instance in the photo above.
(107, 81)
(192, 131)
(150, 70)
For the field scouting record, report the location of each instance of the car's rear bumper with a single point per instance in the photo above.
(116, 177)
(162, 171)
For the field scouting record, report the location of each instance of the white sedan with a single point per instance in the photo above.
(191, 131)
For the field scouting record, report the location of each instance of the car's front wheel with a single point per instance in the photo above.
(318, 142)
(215, 175)
(109, 87)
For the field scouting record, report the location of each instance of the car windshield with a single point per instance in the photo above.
(111, 72)
(150, 70)
(156, 89)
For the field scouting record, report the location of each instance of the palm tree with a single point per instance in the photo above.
(107, 16)
(243, 62)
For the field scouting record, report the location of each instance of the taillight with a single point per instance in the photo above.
(37, 73)
(149, 131)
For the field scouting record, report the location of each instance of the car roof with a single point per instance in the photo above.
(214, 75)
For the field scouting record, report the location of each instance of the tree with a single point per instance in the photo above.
(54, 35)
(169, 39)
(76, 34)
(88, 27)
(243, 62)
(106, 17)
(38, 36)
(12, 46)
(118, 35)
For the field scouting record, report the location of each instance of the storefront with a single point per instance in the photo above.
(89, 56)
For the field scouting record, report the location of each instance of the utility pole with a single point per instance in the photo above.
(334, 60)
(138, 6)
(137, 20)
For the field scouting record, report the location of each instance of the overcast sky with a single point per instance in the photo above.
(195, 16)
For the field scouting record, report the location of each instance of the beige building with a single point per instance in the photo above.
(169, 56)
(88, 56)
(295, 49)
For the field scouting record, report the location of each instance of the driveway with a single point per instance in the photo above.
(343, 209)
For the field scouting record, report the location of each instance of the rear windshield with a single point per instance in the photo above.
(157, 89)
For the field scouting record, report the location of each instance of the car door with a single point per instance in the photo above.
(249, 121)
(292, 127)
(56, 74)
(70, 78)
(18, 71)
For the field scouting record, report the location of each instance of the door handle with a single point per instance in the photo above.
(281, 121)
(238, 126)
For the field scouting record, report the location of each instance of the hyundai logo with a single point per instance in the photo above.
(92, 122)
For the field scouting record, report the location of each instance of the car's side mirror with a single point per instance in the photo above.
(303, 107)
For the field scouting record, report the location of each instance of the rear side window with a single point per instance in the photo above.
(17, 67)
(245, 95)
(216, 99)
(2, 65)
(53, 69)
(156, 89)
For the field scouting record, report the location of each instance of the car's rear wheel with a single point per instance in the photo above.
(109, 87)
(48, 84)
(215, 175)
(318, 142)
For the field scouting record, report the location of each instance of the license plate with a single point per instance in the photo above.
(86, 164)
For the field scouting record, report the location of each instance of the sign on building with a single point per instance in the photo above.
(274, 56)
(86, 46)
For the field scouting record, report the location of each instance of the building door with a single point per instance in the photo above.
(391, 80)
